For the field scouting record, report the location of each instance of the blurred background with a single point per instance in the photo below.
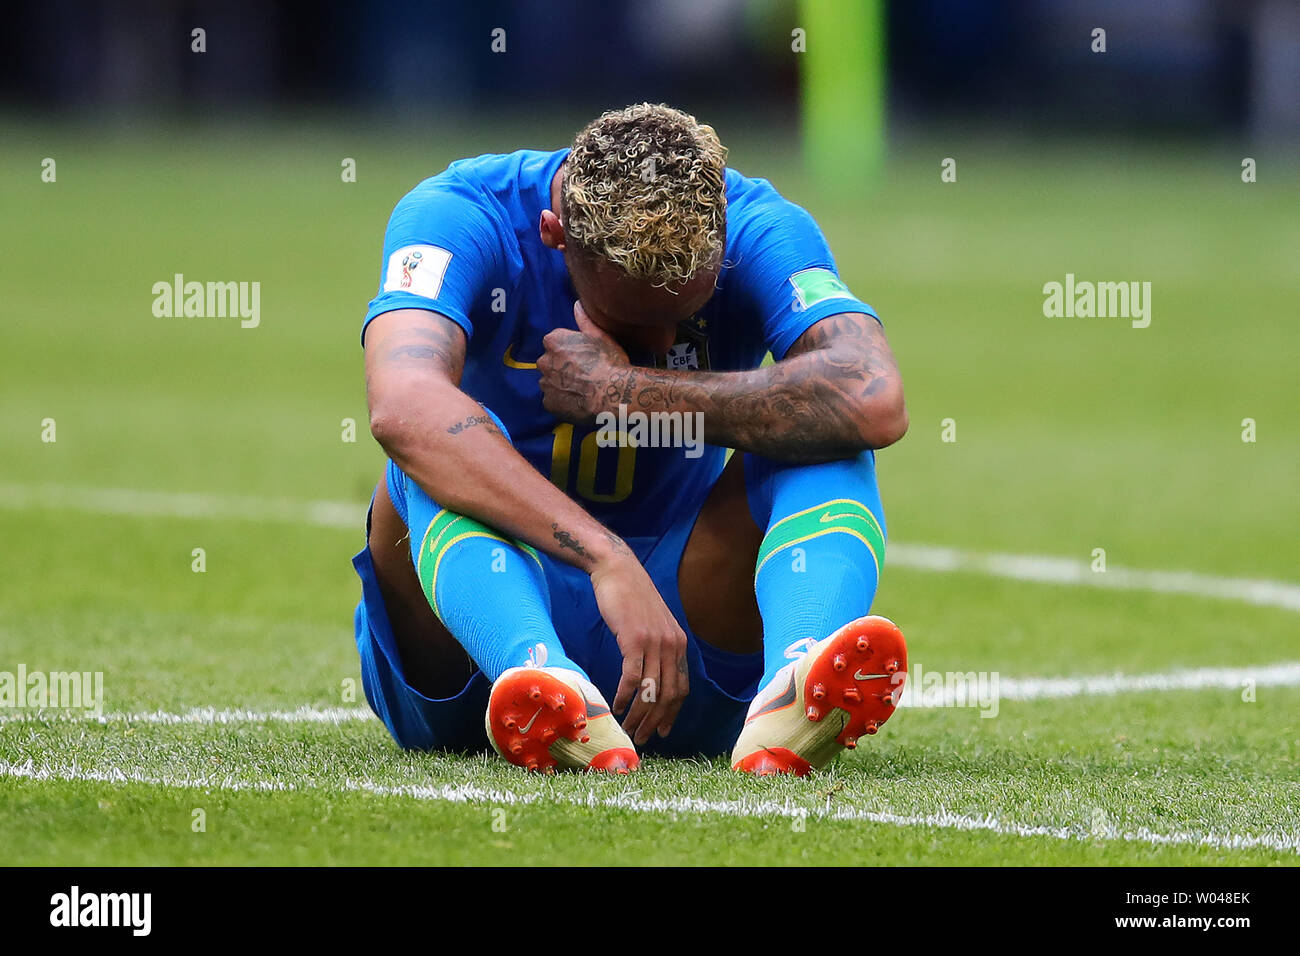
(1190, 65)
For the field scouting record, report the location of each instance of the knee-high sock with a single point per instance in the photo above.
(819, 563)
(488, 590)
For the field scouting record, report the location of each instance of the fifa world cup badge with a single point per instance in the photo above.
(409, 264)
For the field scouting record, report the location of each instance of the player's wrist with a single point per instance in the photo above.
(611, 381)
(609, 553)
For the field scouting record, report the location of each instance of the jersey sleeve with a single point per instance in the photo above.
(442, 252)
(782, 269)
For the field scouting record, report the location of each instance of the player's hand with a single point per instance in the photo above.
(655, 680)
(578, 370)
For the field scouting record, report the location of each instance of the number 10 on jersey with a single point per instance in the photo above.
(588, 457)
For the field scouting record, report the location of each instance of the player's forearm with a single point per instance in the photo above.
(836, 393)
(445, 442)
(818, 406)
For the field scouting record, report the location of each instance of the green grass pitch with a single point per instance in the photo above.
(1071, 435)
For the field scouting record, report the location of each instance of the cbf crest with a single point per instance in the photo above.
(690, 352)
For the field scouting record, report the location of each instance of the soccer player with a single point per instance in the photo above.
(521, 569)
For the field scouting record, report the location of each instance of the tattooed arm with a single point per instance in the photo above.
(442, 439)
(836, 392)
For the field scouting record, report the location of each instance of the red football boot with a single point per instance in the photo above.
(816, 706)
(543, 718)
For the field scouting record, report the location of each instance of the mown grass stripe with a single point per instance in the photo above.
(1281, 674)
(461, 793)
(1043, 569)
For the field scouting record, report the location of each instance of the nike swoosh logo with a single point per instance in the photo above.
(858, 675)
(785, 700)
(510, 362)
(830, 517)
(529, 726)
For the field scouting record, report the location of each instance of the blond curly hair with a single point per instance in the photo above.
(644, 189)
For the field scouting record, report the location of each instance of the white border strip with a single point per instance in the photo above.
(943, 820)
(1043, 569)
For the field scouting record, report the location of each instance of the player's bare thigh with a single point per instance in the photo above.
(716, 574)
(434, 663)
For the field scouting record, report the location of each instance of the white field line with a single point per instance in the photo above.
(918, 557)
(943, 820)
(163, 504)
(198, 716)
(1284, 674)
(1044, 569)
(1233, 679)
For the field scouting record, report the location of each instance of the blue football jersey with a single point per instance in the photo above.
(465, 244)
